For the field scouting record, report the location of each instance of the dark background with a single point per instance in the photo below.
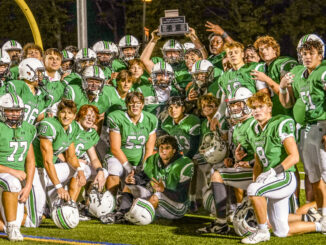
(244, 20)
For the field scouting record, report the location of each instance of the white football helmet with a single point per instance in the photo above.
(83, 55)
(11, 101)
(93, 72)
(12, 45)
(107, 48)
(142, 212)
(241, 94)
(202, 66)
(172, 45)
(5, 60)
(213, 148)
(208, 202)
(101, 203)
(188, 45)
(65, 214)
(31, 69)
(165, 69)
(67, 56)
(309, 37)
(244, 220)
(128, 41)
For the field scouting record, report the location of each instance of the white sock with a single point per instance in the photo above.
(11, 223)
(263, 226)
(318, 226)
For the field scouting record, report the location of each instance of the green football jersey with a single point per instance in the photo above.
(77, 94)
(14, 73)
(153, 103)
(216, 60)
(268, 143)
(276, 70)
(309, 91)
(51, 129)
(143, 80)
(188, 126)
(73, 79)
(14, 144)
(118, 65)
(179, 171)
(133, 137)
(116, 102)
(231, 80)
(240, 137)
(56, 90)
(34, 104)
(85, 140)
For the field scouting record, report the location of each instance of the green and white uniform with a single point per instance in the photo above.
(78, 95)
(188, 126)
(276, 70)
(310, 111)
(14, 73)
(73, 79)
(84, 141)
(34, 104)
(116, 102)
(268, 145)
(216, 60)
(133, 138)
(176, 176)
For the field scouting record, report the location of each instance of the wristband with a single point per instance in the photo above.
(283, 91)
(80, 169)
(279, 169)
(58, 186)
(99, 169)
(224, 35)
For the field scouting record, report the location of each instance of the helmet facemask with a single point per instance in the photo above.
(105, 61)
(171, 59)
(38, 76)
(93, 88)
(14, 119)
(237, 112)
(130, 56)
(4, 72)
(162, 79)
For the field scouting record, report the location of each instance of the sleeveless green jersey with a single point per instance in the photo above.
(178, 171)
(133, 136)
(34, 104)
(85, 140)
(239, 136)
(268, 143)
(77, 94)
(276, 70)
(216, 60)
(188, 126)
(51, 129)
(14, 144)
(309, 90)
(231, 80)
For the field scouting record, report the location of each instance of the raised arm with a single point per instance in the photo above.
(198, 44)
(147, 52)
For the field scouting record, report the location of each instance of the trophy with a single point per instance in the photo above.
(173, 24)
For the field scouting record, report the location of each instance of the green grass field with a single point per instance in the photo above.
(160, 232)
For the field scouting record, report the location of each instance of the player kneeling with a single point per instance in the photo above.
(17, 163)
(164, 182)
(272, 138)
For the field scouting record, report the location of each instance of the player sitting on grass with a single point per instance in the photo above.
(17, 164)
(272, 138)
(168, 174)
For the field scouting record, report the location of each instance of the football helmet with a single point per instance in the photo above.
(166, 70)
(67, 56)
(172, 45)
(142, 212)
(208, 202)
(100, 203)
(190, 47)
(241, 94)
(5, 60)
(31, 69)
(84, 55)
(200, 67)
(309, 37)
(93, 72)
(128, 41)
(107, 48)
(65, 214)
(244, 220)
(213, 148)
(11, 101)
(12, 45)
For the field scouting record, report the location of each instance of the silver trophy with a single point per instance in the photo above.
(173, 24)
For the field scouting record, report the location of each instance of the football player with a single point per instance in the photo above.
(184, 127)
(164, 181)
(139, 73)
(17, 163)
(272, 138)
(192, 54)
(276, 67)
(197, 43)
(5, 62)
(251, 54)
(304, 89)
(66, 64)
(32, 50)
(84, 58)
(132, 138)
(14, 49)
(238, 171)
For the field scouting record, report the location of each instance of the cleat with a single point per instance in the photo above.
(313, 215)
(257, 236)
(216, 227)
(13, 232)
